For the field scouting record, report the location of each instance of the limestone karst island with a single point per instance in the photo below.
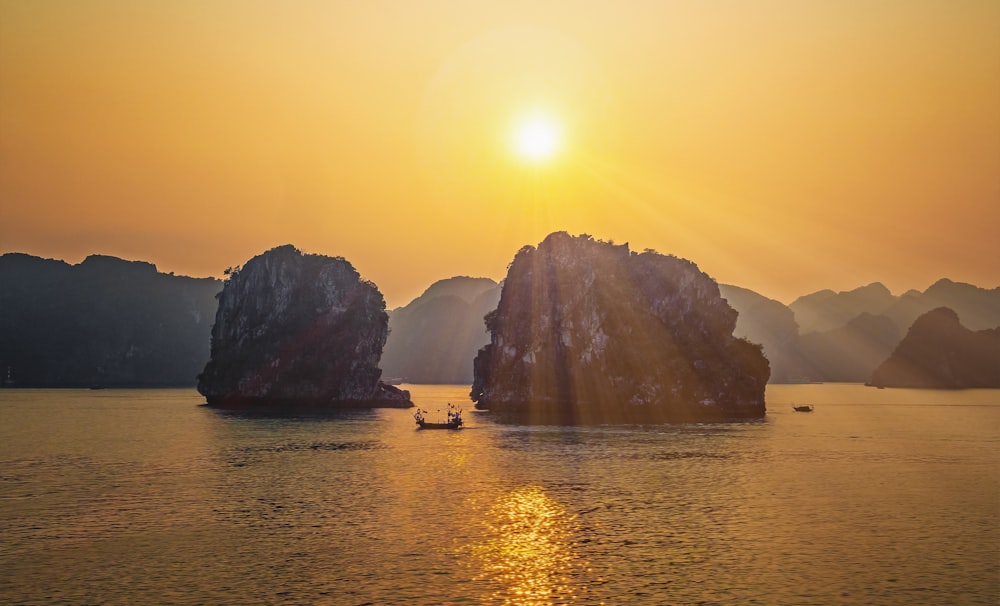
(107, 322)
(587, 331)
(297, 329)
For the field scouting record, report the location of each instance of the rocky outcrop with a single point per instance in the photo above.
(436, 336)
(587, 331)
(939, 353)
(296, 329)
(106, 322)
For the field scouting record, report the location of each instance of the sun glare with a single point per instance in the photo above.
(537, 139)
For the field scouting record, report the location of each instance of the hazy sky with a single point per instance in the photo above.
(783, 146)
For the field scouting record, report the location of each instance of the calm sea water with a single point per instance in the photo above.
(145, 497)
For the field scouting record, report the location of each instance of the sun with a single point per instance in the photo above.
(537, 138)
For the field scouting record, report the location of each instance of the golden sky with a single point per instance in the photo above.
(784, 146)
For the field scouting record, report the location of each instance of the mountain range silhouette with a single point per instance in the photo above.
(107, 321)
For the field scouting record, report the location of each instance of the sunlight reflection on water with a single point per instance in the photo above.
(527, 549)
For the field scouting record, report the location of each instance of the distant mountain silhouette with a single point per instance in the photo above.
(435, 337)
(107, 321)
(844, 335)
(851, 332)
(771, 324)
(979, 308)
(848, 353)
(466, 288)
(825, 310)
(939, 352)
(104, 322)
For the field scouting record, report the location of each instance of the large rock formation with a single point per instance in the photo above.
(434, 338)
(105, 321)
(298, 329)
(587, 331)
(938, 352)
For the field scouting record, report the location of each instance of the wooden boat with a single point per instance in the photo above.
(803, 408)
(454, 419)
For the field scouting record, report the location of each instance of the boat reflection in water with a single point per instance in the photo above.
(527, 549)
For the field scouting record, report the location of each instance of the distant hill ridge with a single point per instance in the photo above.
(435, 337)
(112, 321)
(843, 336)
(939, 352)
(463, 287)
(978, 307)
(105, 321)
(860, 328)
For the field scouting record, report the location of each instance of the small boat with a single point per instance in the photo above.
(454, 419)
(803, 408)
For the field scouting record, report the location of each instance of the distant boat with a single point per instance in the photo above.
(454, 419)
(803, 408)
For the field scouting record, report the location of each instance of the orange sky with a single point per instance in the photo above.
(783, 146)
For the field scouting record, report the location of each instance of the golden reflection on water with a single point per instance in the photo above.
(528, 549)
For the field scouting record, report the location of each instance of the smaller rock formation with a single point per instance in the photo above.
(939, 353)
(587, 331)
(294, 329)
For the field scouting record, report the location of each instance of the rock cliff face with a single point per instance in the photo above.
(587, 331)
(938, 352)
(298, 329)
